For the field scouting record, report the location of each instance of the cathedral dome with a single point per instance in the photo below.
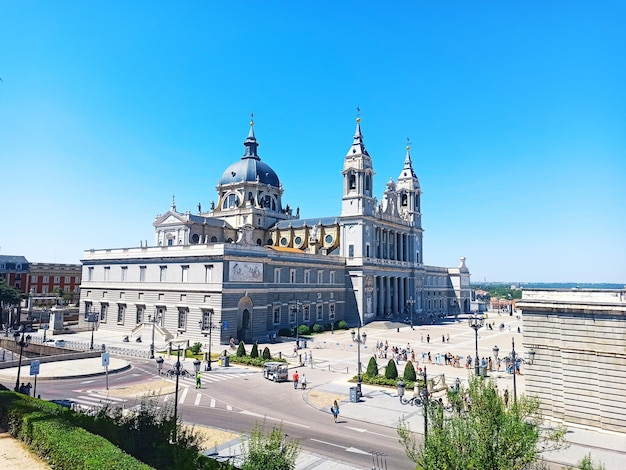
(250, 168)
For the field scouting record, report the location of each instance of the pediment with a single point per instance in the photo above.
(169, 219)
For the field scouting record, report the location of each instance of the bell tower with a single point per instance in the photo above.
(358, 178)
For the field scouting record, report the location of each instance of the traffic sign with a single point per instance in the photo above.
(225, 324)
(34, 368)
(105, 359)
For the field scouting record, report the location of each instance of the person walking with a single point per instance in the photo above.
(295, 380)
(311, 359)
(335, 410)
(198, 381)
(303, 381)
(428, 338)
(506, 397)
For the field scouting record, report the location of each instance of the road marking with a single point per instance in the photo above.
(371, 432)
(212, 405)
(198, 397)
(229, 408)
(328, 443)
(183, 396)
(250, 413)
(347, 449)
(87, 381)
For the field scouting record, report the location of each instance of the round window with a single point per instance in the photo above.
(329, 239)
(283, 241)
(298, 240)
(195, 238)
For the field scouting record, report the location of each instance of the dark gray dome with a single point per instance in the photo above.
(250, 168)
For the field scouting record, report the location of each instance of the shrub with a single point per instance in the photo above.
(391, 372)
(256, 362)
(409, 373)
(196, 347)
(266, 353)
(271, 451)
(372, 367)
(285, 332)
(317, 328)
(241, 349)
(342, 325)
(254, 353)
(304, 330)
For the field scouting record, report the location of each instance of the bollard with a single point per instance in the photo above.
(280, 354)
(398, 330)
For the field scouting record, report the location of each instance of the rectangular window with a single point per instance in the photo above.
(162, 273)
(182, 318)
(46, 279)
(124, 273)
(292, 315)
(307, 276)
(276, 275)
(107, 271)
(276, 315)
(208, 273)
(320, 312)
(103, 312)
(320, 276)
(67, 279)
(44, 289)
(33, 278)
(142, 274)
(121, 309)
(306, 314)
(140, 313)
(184, 273)
(332, 277)
(350, 251)
(292, 276)
(57, 279)
(367, 250)
(206, 319)
(331, 311)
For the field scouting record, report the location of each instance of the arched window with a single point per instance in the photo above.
(404, 201)
(213, 239)
(352, 180)
(195, 238)
(258, 241)
(367, 182)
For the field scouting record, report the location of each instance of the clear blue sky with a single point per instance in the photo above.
(516, 112)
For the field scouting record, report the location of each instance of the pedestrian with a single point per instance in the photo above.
(198, 382)
(303, 381)
(421, 337)
(428, 338)
(295, 380)
(506, 397)
(448, 338)
(443, 338)
(311, 358)
(27, 388)
(335, 410)
(295, 350)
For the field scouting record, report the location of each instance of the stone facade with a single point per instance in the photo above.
(579, 367)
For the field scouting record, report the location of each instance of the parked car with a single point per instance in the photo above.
(276, 371)
(59, 343)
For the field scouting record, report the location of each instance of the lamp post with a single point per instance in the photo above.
(359, 338)
(153, 319)
(421, 400)
(514, 359)
(296, 308)
(496, 350)
(410, 303)
(93, 319)
(204, 327)
(476, 323)
(531, 355)
(22, 342)
(177, 372)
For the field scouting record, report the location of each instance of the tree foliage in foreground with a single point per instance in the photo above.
(488, 435)
(269, 451)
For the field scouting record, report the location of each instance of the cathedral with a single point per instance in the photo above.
(250, 267)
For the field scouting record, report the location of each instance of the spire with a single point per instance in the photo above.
(251, 143)
(358, 147)
(173, 207)
(407, 170)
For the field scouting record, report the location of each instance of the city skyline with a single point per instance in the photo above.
(515, 115)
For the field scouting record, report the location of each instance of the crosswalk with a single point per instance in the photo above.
(94, 400)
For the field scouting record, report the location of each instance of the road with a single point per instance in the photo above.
(236, 399)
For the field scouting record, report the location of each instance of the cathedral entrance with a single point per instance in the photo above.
(244, 320)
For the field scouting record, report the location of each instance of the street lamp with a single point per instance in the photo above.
(421, 400)
(496, 350)
(296, 308)
(410, 303)
(203, 328)
(531, 355)
(153, 319)
(22, 342)
(359, 338)
(177, 372)
(514, 358)
(93, 319)
(476, 323)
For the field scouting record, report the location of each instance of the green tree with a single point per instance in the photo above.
(254, 352)
(241, 349)
(8, 296)
(489, 435)
(391, 371)
(269, 451)
(196, 348)
(266, 353)
(372, 367)
(587, 464)
(409, 372)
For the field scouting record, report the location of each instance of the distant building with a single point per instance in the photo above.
(50, 279)
(578, 340)
(250, 267)
(14, 271)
